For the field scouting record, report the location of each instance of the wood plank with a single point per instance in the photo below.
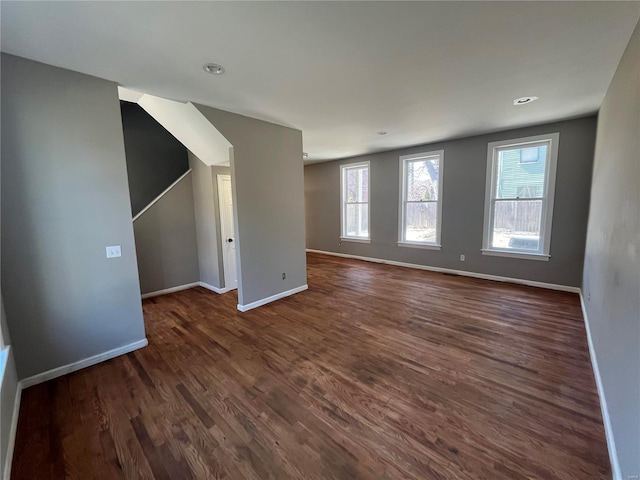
(375, 372)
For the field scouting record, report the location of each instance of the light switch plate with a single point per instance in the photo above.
(114, 251)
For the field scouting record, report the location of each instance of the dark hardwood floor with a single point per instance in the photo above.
(376, 372)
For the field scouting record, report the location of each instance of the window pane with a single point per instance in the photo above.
(422, 180)
(516, 225)
(357, 221)
(421, 221)
(357, 185)
(520, 172)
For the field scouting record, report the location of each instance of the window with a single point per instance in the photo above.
(354, 189)
(421, 200)
(521, 177)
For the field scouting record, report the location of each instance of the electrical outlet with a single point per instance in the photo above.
(589, 297)
(114, 251)
(284, 275)
(462, 257)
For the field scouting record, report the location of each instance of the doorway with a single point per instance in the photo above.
(227, 232)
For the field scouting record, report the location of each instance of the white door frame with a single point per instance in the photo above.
(223, 238)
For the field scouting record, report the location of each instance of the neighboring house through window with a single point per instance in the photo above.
(519, 197)
(354, 188)
(421, 200)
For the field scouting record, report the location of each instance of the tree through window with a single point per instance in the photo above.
(421, 192)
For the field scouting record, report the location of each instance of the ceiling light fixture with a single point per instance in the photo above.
(382, 132)
(213, 68)
(524, 100)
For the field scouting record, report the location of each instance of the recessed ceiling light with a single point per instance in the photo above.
(524, 100)
(213, 68)
(305, 154)
(382, 132)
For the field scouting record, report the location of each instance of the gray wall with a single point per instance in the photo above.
(268, 195)
(612, 265)
(64, 199)
(155, 159)
(166, 244)
(205, 195)
(8, 381)
(465, 164)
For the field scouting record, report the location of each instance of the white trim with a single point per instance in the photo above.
(215, 289)
(161, 195)
(517, 254)
(277, 296)
(355, 239)
(463, 273)
(11, 442)
(343, 188)
(426, 246)
(608, 429)
(553, 139)
(87, 362)
(186, 286)
(170, 290)
(129, 95)
(404, 159)
(50, 375)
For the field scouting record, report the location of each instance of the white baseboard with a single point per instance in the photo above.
(463, 273)
(608, 430)
(186, 286)
(170, 290)
(87, 362)
(51, 374)
(215, 289)
(272, 298)
(12, 433)
(615, 467)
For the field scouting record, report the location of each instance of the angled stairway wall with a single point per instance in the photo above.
(155, 159)
(165, 237)
(162, 203)
(158, 132)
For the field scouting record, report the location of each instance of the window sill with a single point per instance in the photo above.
(525, 256)
(356, 240)
(425, 246)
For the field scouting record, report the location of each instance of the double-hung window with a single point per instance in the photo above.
(421, 200)
(519, 197)
(354, 179)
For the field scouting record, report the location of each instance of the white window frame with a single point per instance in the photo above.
(343, 202)
(404, 161)
(552, 140)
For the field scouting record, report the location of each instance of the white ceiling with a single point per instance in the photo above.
(341, 71)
